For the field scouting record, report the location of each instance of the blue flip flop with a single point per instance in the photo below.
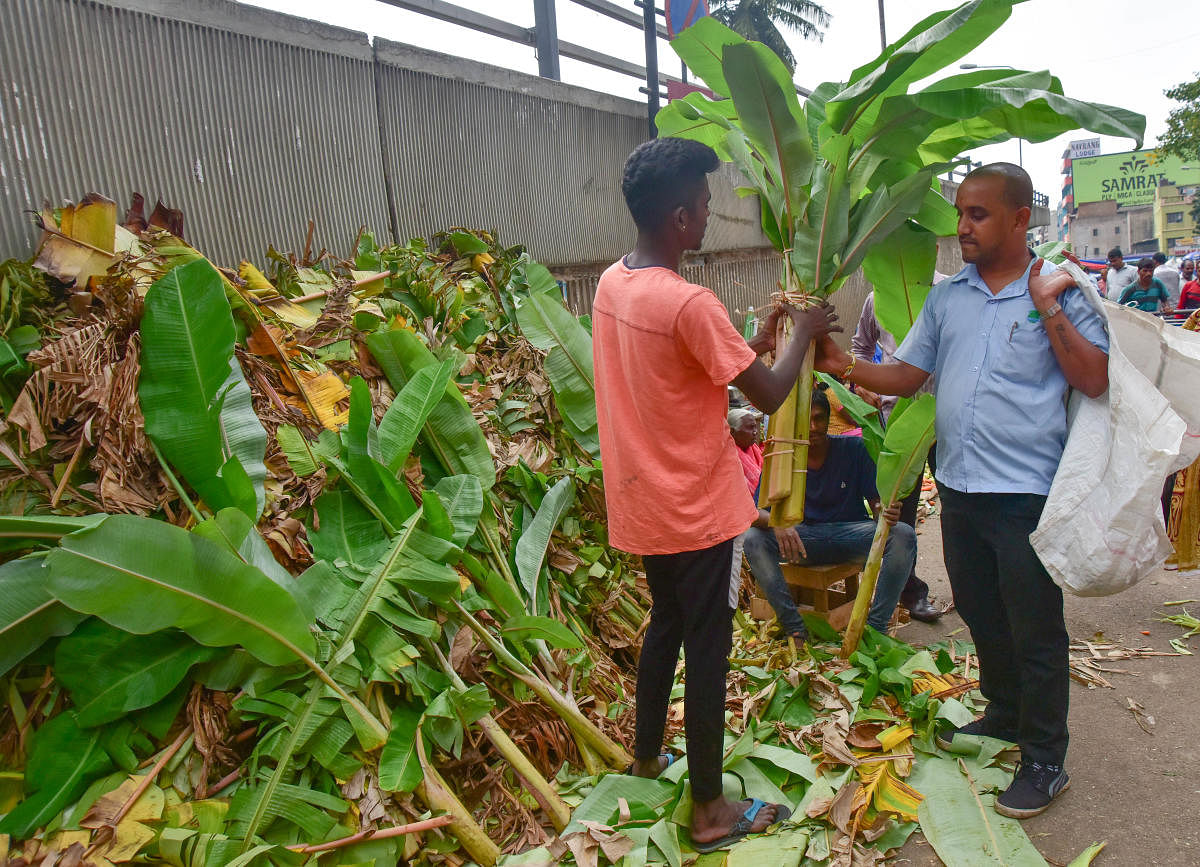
(742, 826)
(668, 756)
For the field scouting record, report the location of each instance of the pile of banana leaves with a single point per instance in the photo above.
(309, 565)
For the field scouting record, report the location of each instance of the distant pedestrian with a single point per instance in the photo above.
(1147, 292)
(1168, 275)
(1189, 293)
(1119, 275)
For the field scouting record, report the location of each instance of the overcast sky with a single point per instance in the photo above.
(1110, 51)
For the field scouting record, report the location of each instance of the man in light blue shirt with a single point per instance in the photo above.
(1005, 338)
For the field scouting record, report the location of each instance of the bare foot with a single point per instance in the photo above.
(650, 768)
(712, 820)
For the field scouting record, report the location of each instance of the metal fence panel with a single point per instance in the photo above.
(248, 127)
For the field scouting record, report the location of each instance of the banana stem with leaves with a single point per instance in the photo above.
(538, 785)
(866, 587)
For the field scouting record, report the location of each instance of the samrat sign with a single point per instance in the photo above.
(1128, 178)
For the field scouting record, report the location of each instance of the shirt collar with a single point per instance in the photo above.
(970, 277)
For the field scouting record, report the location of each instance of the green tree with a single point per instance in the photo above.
(1182, 137)
(759, 21)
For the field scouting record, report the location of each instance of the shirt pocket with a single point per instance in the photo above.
(1023, 352)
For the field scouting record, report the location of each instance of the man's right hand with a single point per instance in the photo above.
(791, 549)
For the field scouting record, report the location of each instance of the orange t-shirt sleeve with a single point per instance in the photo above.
(703, 331)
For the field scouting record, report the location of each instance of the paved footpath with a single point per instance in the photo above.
(1138, 791)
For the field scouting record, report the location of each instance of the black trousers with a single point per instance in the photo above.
(690, 609)
(915, 589)
(1015, 614)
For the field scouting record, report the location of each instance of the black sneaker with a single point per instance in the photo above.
(981, 728)
(1033, 788)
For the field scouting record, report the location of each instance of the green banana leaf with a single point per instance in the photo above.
(960, 823)
(900, 268)
(22, 532)
(702, 48)
(143, 575)
(531, 546)
(930, 46)
(233, 529)
(875, 218)
(347, 534)
(451, 432)
(399, 763)
(305, 457)
(29, 615)
(526, 626)
(551, 327)
(63, 759)
(699, 118)
(109, 672)
(378, 484)
(409, 411)
(906, 443)
(865, 415)
(771, 116)
(193, 396)
(462, 498)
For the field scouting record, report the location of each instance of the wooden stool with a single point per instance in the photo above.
(827, 591)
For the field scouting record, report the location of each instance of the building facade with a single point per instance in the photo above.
(1175, 229)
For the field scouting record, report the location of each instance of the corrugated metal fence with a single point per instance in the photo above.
(253, 123)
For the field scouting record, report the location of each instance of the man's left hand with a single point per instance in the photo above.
(892, 514)
(1044, 291)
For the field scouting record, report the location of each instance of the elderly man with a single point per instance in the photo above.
(745, 426)
(1004, 341)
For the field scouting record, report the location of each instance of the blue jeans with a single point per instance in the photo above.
(833, 543)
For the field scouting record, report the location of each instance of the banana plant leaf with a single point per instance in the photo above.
(29, 615)
(63, 760)
(408, 412)
(451, 432)
(462, 498)
(526, 626)
(109, 672)
(771, 116)
(865, 415)
(347, 534)
(22, 532)
(193, 396)
(377, 483)
(143, 575)
(960, 823)
(551, 327)
(531, 546)
(901, 270)
(930, 46)
(399, 764)
(905, 447)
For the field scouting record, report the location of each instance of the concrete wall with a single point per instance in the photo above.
(253, 123)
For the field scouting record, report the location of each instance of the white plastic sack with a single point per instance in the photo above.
(1102, 528)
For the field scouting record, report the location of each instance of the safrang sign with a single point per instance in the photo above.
(1129, 178)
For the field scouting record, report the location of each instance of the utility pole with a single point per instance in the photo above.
(882, 29)
(650, 28)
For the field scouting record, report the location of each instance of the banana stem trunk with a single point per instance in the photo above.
(793, 507)
(866, 588)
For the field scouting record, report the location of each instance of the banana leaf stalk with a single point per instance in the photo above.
(866, 587)
(612, 753)
(898, 468)
(538, 786)
(438, 796)
(777, 461)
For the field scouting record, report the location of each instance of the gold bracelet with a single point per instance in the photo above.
(849, 367)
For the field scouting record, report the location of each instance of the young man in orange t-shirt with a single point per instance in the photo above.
(664, 352)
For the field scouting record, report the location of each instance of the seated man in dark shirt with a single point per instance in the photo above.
(836, 528)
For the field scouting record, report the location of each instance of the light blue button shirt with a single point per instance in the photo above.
(1001, 396)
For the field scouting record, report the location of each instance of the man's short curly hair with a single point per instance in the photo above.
(663, 174)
